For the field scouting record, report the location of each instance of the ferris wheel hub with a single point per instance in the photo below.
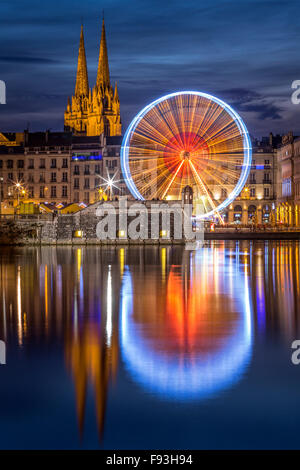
(185, 155)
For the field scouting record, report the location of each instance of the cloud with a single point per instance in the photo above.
(154, 48)
(27, 60)
(248, 101)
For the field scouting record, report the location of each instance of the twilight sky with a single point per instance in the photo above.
(246, 52)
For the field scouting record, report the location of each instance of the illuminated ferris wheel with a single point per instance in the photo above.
(187, 139)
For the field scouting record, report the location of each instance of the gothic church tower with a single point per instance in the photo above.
(97, 111)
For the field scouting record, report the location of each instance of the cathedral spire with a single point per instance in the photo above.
(116, 94)
(103, 70)
(82, 82)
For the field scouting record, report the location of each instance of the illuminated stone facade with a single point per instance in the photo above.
(257, 201)
(93, 112)
(288, 211)
(58, 167)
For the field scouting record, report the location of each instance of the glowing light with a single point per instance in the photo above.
(109, 307)
(109, 182)
(122, 233)
(78, 234)
(19, 303)
(186, 138)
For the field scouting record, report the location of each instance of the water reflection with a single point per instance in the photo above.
(192, 337)
(182, 324)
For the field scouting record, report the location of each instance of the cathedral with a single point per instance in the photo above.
(97, 111)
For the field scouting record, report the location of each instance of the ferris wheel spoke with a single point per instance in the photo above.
(206, 191)
(211, 115)
(226, 173)
(172, 180)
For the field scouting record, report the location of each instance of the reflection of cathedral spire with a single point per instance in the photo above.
(91, 360)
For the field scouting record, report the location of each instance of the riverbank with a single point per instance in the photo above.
(80, 229)
(250, 235)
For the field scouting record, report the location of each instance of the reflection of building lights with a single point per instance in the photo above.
(163, 233)
(19, 304)
(109, 307)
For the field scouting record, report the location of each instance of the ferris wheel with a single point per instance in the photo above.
(187, 139)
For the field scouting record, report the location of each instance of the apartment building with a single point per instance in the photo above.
(288, 211)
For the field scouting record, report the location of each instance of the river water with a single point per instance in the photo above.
(150, 348)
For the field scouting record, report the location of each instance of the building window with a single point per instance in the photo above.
(10, 176)
(30, 164)
(20, 163)
(266, 177)
(53, 177)
(76, 183)
(97, 168)
(65, 177)
(252, 178)
(53, 162)
(42, 191)
(10, 163)
(87, 183)
(266, 192)
(53, 191)
(76, 170)
(20, 176)
(87, 198)
(287, 187)
(42, 163)
(31, 192)
(1, 163)
(252, 192)
(65, 163)
(64, 192)
(86, 169)
(30, 178)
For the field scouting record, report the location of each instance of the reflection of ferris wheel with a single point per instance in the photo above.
(187, 139)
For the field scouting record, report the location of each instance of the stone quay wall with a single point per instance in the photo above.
(80, 228)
